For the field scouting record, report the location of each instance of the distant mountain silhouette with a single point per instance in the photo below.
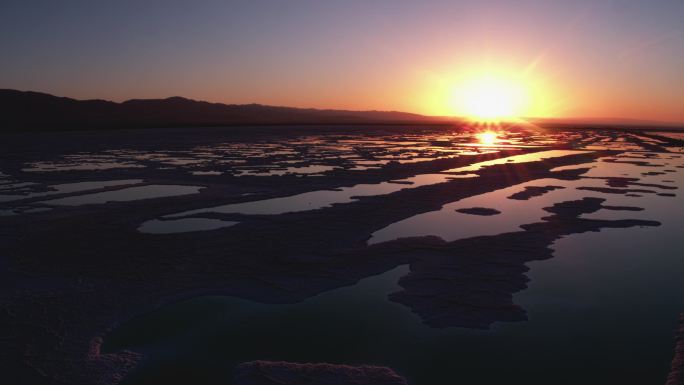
(36, 111)
(25, 110)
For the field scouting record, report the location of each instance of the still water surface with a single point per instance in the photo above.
(601, 311)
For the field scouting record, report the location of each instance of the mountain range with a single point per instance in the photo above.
(26, 110)
(36, 111)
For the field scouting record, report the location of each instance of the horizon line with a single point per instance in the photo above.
(548, 119)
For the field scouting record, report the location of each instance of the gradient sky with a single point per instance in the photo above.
(598, 58)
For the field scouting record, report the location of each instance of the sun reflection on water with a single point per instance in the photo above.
(487, 138)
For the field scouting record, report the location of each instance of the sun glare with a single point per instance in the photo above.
(487, 138)
(489, 99)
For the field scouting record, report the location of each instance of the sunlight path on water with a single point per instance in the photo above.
(524, 158)
(322, 198)
(315, 200)
(450, 224)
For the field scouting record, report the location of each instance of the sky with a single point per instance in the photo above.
(598, 58)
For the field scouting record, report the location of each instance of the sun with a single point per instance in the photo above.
(489, 99)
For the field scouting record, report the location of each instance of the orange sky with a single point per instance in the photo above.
(603, 58)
